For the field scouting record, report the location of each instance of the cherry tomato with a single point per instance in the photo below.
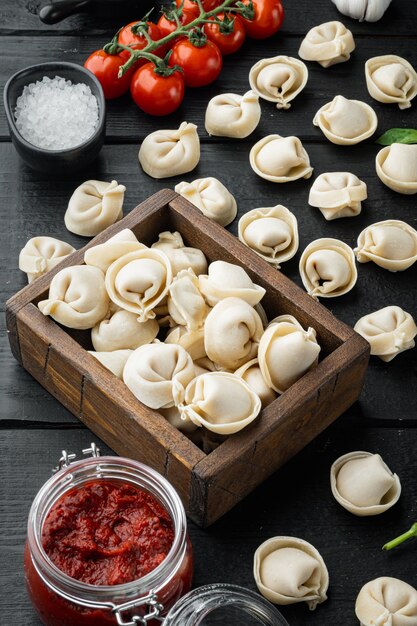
(157, 94)
(233, 36)
(269, 15)
(201, 64)
(167, 26)
(208, 5)
(106, 67)
(128, 38)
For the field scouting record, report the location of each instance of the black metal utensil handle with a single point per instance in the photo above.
(57, 11)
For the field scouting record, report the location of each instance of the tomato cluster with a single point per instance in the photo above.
(194, 60)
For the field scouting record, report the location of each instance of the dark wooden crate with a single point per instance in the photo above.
(212, 484)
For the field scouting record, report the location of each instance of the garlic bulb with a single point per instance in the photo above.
(363, 10)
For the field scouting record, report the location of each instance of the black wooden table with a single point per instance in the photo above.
(296, 500)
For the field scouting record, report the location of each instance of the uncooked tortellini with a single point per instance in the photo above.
(212, 198)
(338, 194)
(288, 570)
(186, 305)
(279, 79)
(77, 297)
(391, 79)
(280, 159)
(271, 232)
(346, 122)
(226, 280)
(122, 331)
(387, 601)
(113, 361)
(363, 484)
(180, 256)
(231, 115)
(328, 44)
(190, 340)
(104, 254)
(41, 254)
(251, 374)
(391, 244)
(94, 206)
(166, 153)
(389, 331)
(396, 166)
(327, 268)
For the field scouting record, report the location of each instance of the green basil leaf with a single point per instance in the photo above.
(398, 135)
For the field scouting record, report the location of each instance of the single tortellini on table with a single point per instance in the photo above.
(41, 254)
(389, 331)
(288, 570)
(271, 232)
(387, 601)
(104, 254)
(346, 122)
(186, 305)
(122, 331)
(191, 340)
(391, 244)
(232, 115)
(328, 44)
(227, 280)
(77, 297)
(114, 361)
(338, 194)
(363, 484)
(180, 256)
(391, 79)
(94, 206)
(396, 167)
(158, 374)
(327, 268)
(287, 352)
(278, 79)
(280, 159)
(138, 281)
(166, 153)
(212, 198)
(251, 374)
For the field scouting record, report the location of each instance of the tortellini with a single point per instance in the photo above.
(338, 194)
(279, 79)
(391, 244)
(286, 352)
(363, 484)
(231, 115)
(389, 331)
(166, 153)
(328, 44)
(104, 254)
(391, 79)
(212, 198)
(221, 402)
(138, 281)
(251, 374)
(122, 331)
(113, 361)
(346, 122)
(94, 206)
(158, 373)
(396, 167)
(226, 280)
(77, 297)
(41, 254)
(186, 305)
(173, 416)
(327, 268)
(288, 570)
(180, 256)
(280, 159)
(387, 601)
(271, 232)
(190, 340)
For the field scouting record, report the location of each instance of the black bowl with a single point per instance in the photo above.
(55, 161)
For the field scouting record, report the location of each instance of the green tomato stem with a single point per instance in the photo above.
(399, 540)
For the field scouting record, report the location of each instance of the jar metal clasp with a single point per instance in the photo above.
(67, 458)
(155, 608)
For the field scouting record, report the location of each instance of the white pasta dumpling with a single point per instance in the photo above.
(191, 340)
(288, 570)
(387, 601)
(186, 305)
(391, 79)
(280, 159)
(363, 484)
(327, 268)
(278, 79)
(166, 153)
(113, 361)
(138, 281)
(338, 194)
(158, 374)
(227, 280)
(346, 122)
(287, 352)
(104, 254)
(389, 331)
(173, 416)
(396, 167)
(212, 198)
(122, 331)
(77, 297)
(180, 256)
(231, 115)
(42, 254)
(251, 374)
(232, 333)
(328, 44)
(391, 244)
(94, 206)
(271, 232)
(221, 402)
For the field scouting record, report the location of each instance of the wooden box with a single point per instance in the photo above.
(209, 485)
